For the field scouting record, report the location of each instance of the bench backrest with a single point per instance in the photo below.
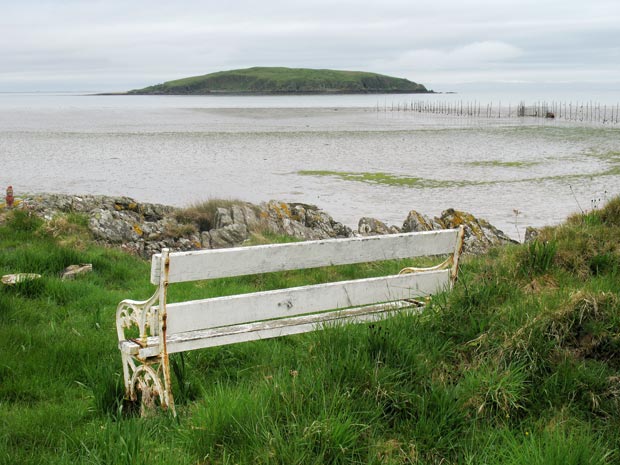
(222, 311)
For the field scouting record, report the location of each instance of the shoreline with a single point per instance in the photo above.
(145, 228)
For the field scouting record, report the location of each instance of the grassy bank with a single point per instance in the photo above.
(520, 364)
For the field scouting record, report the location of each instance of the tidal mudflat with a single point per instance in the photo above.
(347, 158)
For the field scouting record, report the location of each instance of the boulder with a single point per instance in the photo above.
(300, 220)
(228, 236)
(372, 227)
(416, 221)
(223, 218)
(479, 235)
(245, 214)
(115, 226)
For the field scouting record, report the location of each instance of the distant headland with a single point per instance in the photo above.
(285, 81)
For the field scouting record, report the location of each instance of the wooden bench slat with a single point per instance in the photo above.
(245, 308)
(192, 340)
(238, 261)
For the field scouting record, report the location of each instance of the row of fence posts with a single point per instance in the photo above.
(568, 111)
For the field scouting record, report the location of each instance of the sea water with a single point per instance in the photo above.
(349, 154)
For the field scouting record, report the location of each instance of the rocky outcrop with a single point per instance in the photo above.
(371, 226)
(145, 229)
(140, 228)
(48, 205)
(300, 220)
(479, 234)
(418, 222)
(234, 224)
(227, 236)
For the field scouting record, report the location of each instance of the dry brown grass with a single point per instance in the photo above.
(202, 214)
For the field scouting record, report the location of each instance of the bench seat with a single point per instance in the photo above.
(233, 334)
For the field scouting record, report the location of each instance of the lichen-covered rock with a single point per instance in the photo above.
(371, 227)
(49, 205)
(139, 228)
(145, 229)
(115, 226)
(223, 218)
(531, 234)
(416, 221)
(300, 220)
(245, 214)
(480, 235)
(228, 236)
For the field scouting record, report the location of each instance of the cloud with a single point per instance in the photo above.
(99, 41)
(467, 56)
(482, 52)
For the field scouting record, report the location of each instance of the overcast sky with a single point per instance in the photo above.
(117, 45)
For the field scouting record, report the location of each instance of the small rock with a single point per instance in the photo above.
(74, 270)
(371, 227)
(11, 279)
(531, 234)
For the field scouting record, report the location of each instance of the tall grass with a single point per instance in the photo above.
(519, 364)
(538, 257)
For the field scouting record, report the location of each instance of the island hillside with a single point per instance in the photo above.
(284, 81)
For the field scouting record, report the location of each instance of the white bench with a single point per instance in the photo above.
(164, 328)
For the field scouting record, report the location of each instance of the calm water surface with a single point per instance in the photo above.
(357, 161)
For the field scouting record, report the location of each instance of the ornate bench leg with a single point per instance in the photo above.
(147, 380)
(146, 384)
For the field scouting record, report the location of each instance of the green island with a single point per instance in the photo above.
(278, 80)
(519, 364)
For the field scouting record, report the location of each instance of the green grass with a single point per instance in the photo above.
(284, 80)
(387, 179)
(390, 179)
(520, 364)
